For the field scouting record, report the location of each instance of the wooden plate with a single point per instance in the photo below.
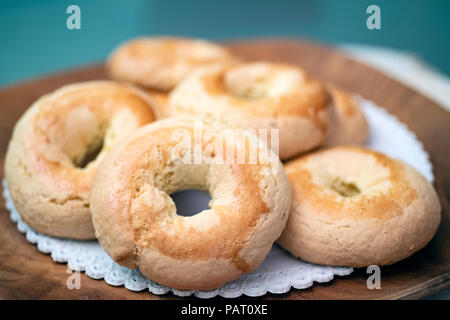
(25, 273)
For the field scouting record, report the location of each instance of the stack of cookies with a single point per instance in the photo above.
(276, 149)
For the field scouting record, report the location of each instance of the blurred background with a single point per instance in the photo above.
(35, 39)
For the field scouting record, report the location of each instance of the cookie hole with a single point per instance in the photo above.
(190, 202)
(247, 83)
(250, 91)
(345, 189)
(92, 151)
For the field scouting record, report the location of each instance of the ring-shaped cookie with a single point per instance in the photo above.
(56, 147)
(356, 207)
(162, 62)
(136, 220)
(259, 95)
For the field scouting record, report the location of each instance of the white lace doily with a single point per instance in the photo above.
(390, 136)
(278, 273)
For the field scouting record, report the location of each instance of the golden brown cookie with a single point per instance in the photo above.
(349, 125)
(355, 207)
(162, 62)
(57, 145)
(136, 220)
(259, 95)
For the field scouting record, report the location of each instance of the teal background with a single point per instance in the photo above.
(35, 40)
